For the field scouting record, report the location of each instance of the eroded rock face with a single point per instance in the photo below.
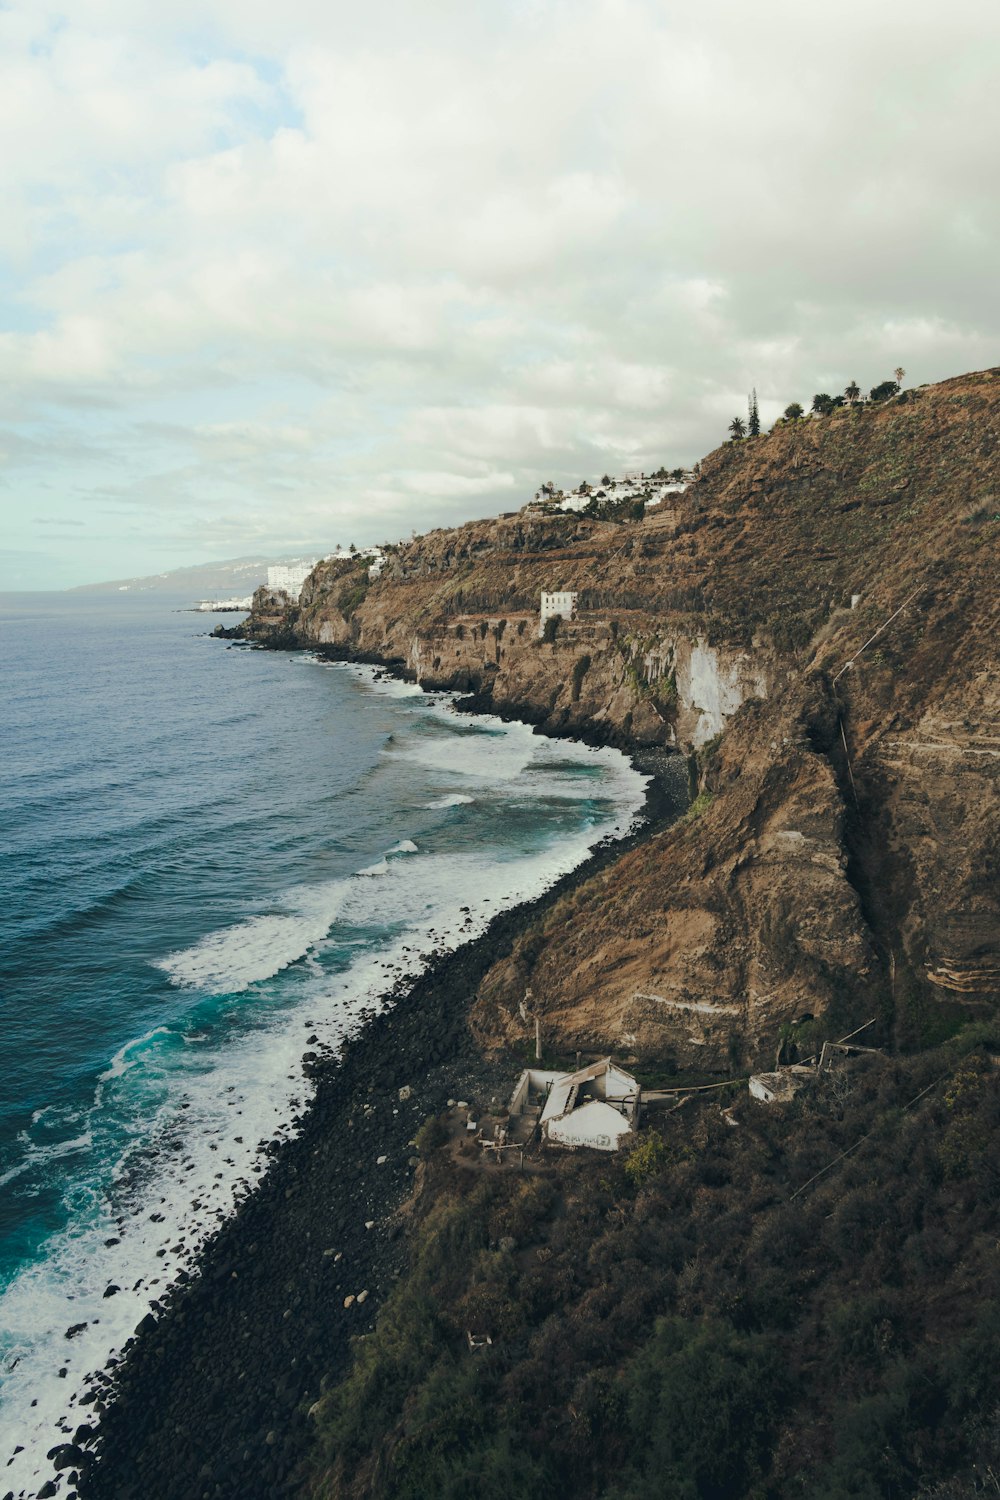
(930, 784)
(703, 943)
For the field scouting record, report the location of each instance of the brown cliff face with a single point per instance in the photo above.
(846, 864)
(701, 945)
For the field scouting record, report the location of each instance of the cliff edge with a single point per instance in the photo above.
(813, 623)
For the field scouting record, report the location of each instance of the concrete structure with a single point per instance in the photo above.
(779, 1087)
(596, 1107)
(561, 604)
(289, 577)
(841, 1054)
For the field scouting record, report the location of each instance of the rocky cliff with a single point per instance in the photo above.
(814, 623)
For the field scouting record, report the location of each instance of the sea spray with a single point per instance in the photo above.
(248, 933)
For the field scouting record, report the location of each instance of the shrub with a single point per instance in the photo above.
(702, 1402)
(698, 806)
(352, 594)
(646, 1159)
(431, 1135)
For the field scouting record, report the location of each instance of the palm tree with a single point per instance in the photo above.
(852, 392)
(737, 428)
(900, 374)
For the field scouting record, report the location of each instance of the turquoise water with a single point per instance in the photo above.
(212, 855)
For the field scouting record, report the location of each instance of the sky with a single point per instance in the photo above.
(280, 276)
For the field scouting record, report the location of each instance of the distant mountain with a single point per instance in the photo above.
(239, 575)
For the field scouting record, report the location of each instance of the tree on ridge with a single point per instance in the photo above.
(852, 392)
(737, 428)
(884, 390)
(754, 414)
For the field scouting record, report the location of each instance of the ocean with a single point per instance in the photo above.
(215, 859)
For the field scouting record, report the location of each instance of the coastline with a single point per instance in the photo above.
(211, 1397)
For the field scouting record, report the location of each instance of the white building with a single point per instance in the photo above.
(596, 1107)
(289, 577)
(561, 604)
(781, 1086)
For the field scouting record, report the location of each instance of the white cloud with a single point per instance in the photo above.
(318, 268)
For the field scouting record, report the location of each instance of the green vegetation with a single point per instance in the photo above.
(674, 1322)
(700, 804)
(432, 1134)
(626, 507)
(822, 405)
(883, 391)
(352, 592)
(646, 1159)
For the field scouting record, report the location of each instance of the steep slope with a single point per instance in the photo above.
(843, 862)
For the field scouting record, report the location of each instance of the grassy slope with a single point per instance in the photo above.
(694, 1333)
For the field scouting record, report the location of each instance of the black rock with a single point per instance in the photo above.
(66, 1456)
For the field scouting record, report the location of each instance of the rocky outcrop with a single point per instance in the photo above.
(841, 861)
(707, 943)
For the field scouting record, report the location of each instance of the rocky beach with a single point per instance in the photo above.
(212, 1396)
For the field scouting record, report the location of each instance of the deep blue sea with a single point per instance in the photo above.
(211, 854)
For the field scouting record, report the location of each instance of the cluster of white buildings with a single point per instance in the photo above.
(289, 576)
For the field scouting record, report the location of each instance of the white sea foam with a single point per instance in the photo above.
(374, 678)
(454, 799)
(230, 960)
(37, 1156)
(238, 1093)
(126, 1058)
(477, 755)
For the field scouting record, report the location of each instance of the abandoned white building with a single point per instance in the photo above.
(779, 1087)
(783, 1084)
(561, 603)
(596, 1107)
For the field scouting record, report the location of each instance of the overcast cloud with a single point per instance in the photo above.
(277, 276)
